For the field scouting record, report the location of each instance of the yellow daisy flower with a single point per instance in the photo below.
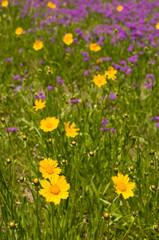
(19, 31)
(39, 104)
(120, 8)
(48, 167)
(49, 124)
(55, 190)
(38, 45)
(123, 186)
(71, 131)
(68, 38)
(51, 5)
(157, 26)
(110, 74)
(4, 3)
(99, 80)
(94, 47)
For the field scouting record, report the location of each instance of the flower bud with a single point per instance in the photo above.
(8, 160)
(24, 137)
(36, 181)
(12, 225)
(91, 153)
(73, 143)
(106, 215)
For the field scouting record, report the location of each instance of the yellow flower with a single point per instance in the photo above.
(120, 8)
(38, 45)
(157, 26)
(99, 80)
(4, 3)
(48, 167)
(51, 5)
(71, 131)
(55, 190)
(94, 47)
(110, 74)
(19, 31)
(64, 4)
(39, 104)
(68, 38)
(49, 124)
(123, 186)
(99, 60)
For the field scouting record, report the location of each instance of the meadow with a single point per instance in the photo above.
(79, 120)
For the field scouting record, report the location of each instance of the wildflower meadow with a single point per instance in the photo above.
(79, 120)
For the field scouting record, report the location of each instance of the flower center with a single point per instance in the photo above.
(49, 125)
(49, 170)
(54, 189)
(122, 186)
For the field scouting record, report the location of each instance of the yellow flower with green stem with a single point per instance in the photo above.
(71, 131)
(123, 186)
(39, 104)
(55, 189)
(111, 73)
(48, 167)
(49, 124)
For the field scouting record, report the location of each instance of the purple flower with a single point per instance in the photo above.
(97, 68)
(87, 71)
(152, 119)
(157, 124)
(20, 50)
(16, 77)
(151, 76)
(130, 48)
(113, 130)
(50, 87)
(85, 54)
(106, 59)
(104, 122)
(149, 85)
(21, 64)
(41, 95)
(88, 104)
(41, 61)
(59, 80)
(157, 118)
(13, 129)
(104, 129)
(133, 59)
(112, 96)
(86, 59)
(75, 100)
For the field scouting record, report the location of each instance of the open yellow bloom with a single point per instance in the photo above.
(110, 74)
(71, 131)
(157, 26)
(49, 124)
(68, 38)
(94, 47)
(38, 44)
(55, 190)
(99, 80)
(19, 31)
(4, 3)
(48, 167)
(120, 8)
(39, 104)
(51, 5)
(123, 186)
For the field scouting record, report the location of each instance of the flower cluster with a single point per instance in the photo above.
(56, 187)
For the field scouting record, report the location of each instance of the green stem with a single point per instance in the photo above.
(52, 222)
(37, 212)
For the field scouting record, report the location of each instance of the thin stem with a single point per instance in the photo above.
(108, 229)
(52, 222)
(37, 212)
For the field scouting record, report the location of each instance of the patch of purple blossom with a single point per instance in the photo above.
(12, 129)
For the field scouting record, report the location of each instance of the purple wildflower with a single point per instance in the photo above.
(16, 77)
(112, 96)
(75, 100)
(50, 87)
(104, 122)
(13, 129)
